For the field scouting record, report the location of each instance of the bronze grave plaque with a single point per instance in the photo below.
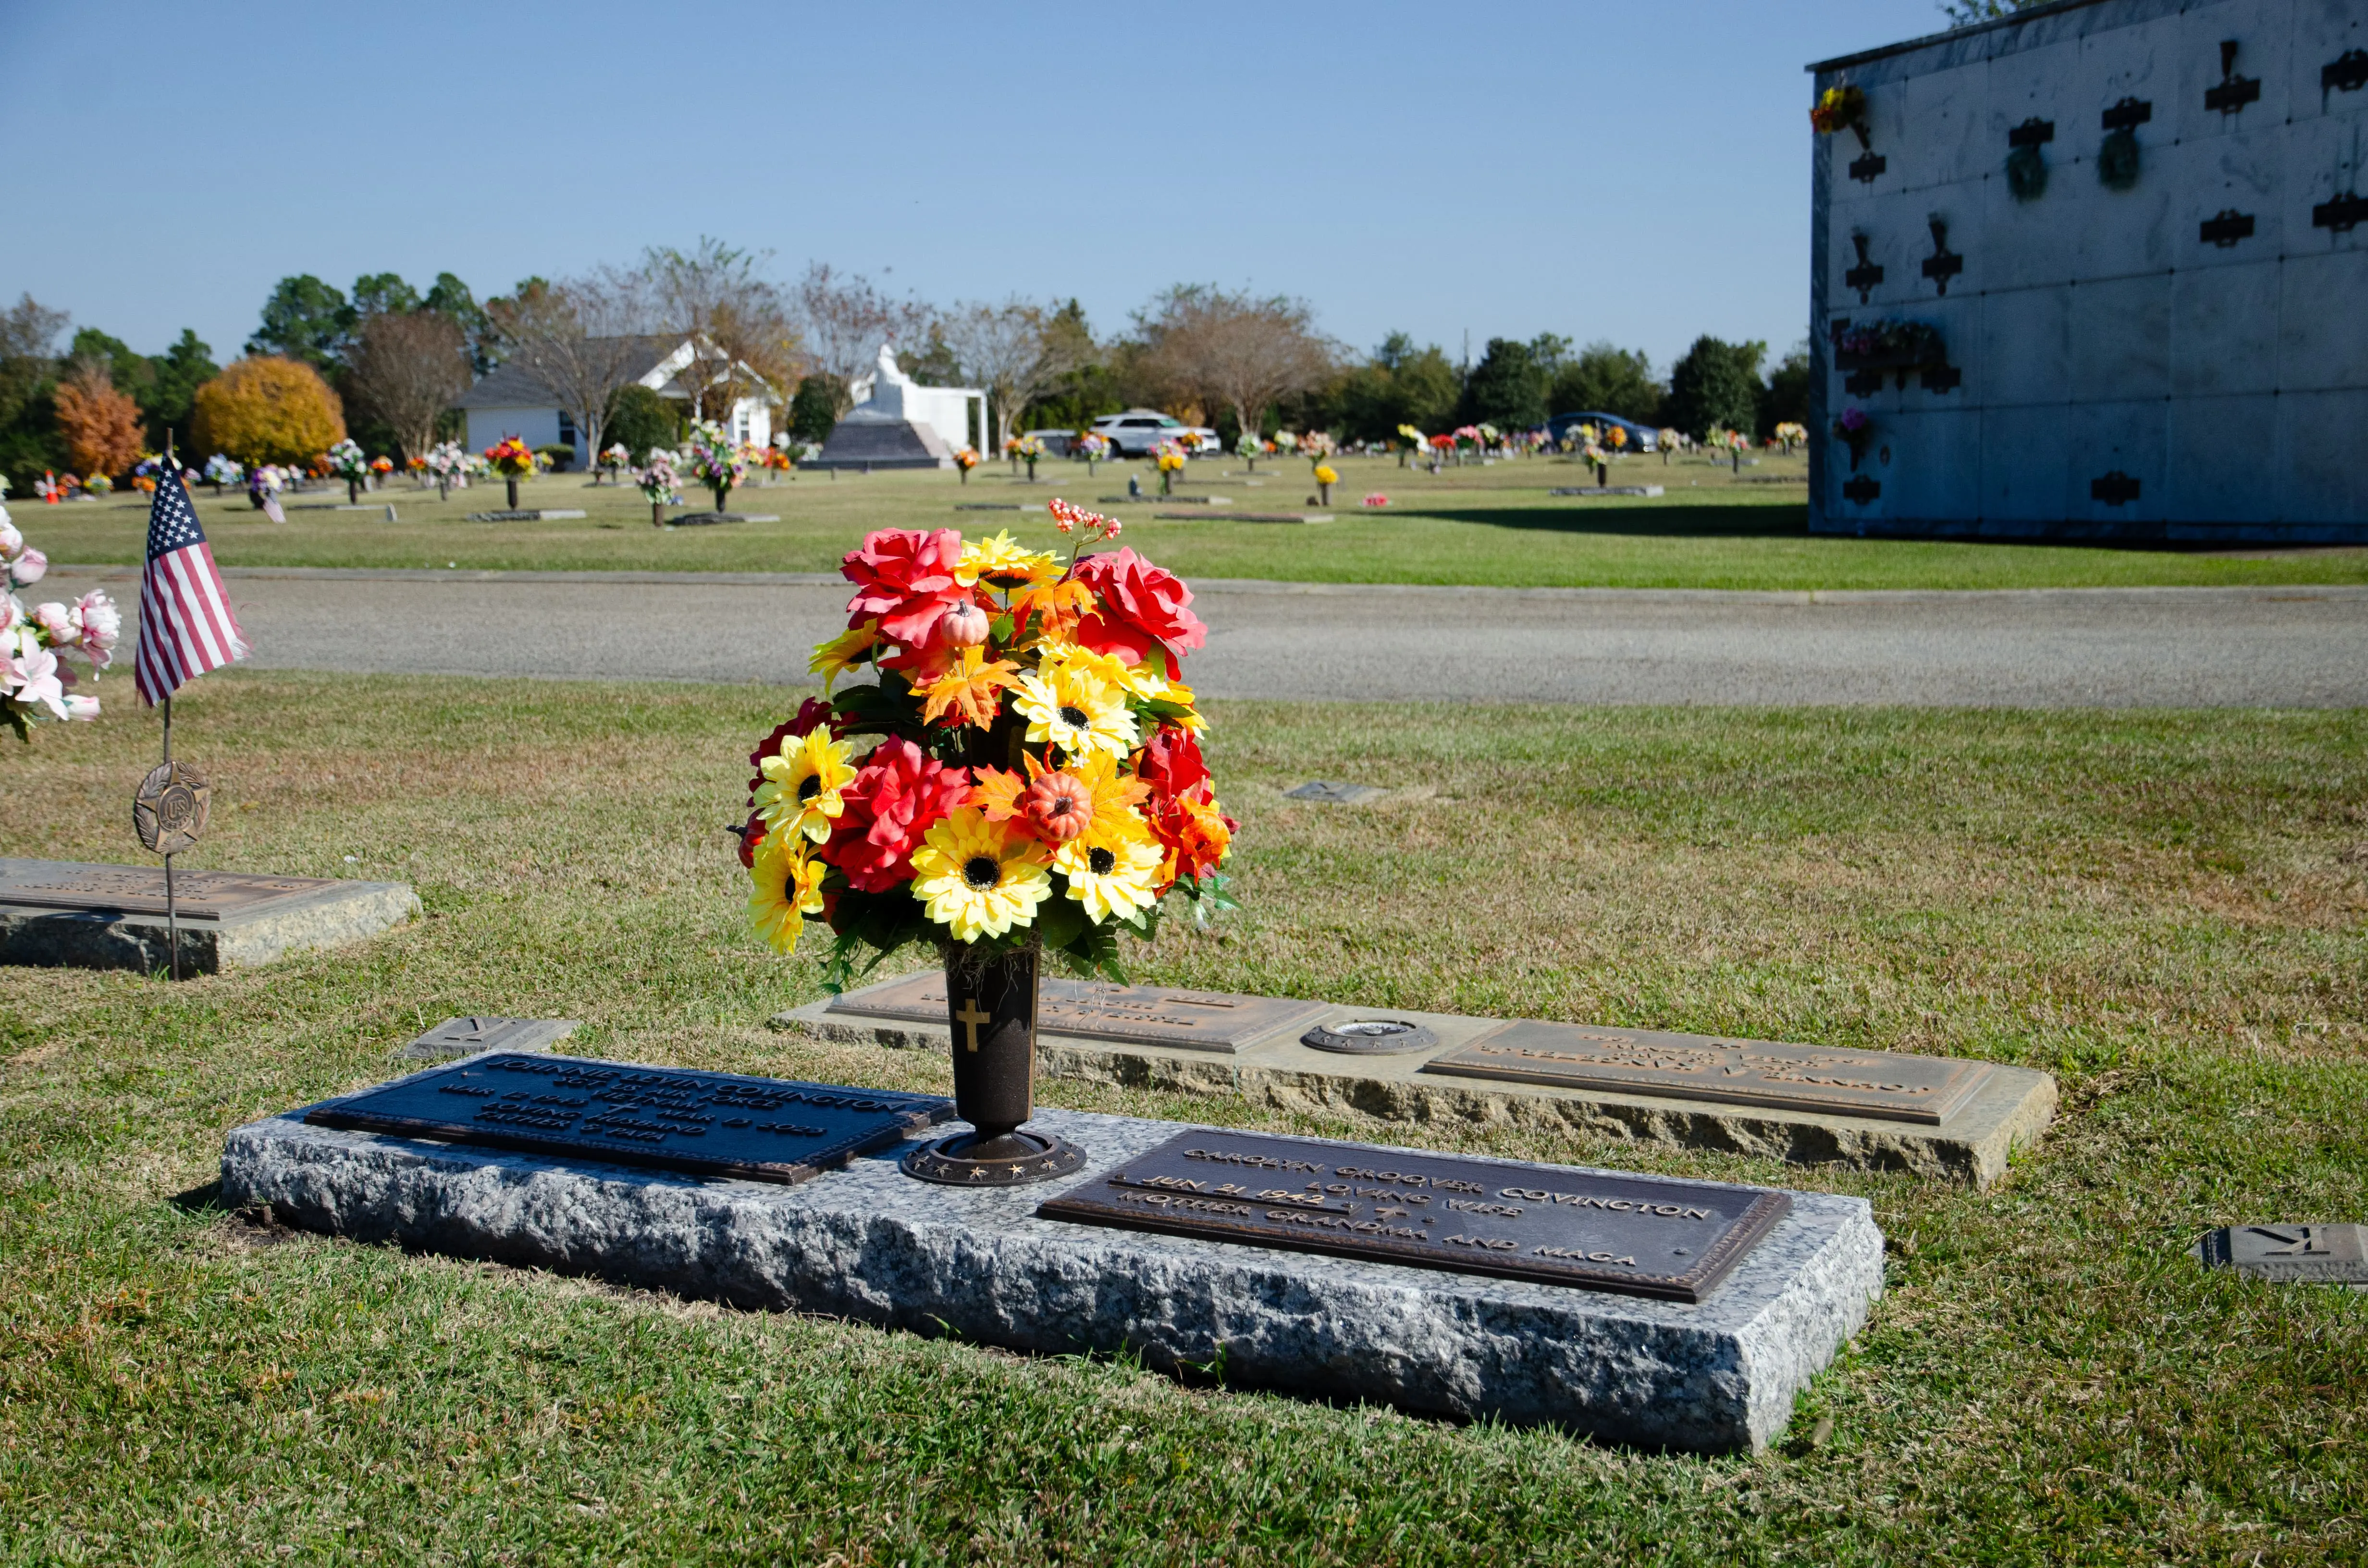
(139, 890)
(673, 1118)
(2325, 1255)
(1141, 1015)
(1636, 1235)
(1883, 1085)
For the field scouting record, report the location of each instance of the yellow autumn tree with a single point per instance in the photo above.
(101, 426)
(266, 410)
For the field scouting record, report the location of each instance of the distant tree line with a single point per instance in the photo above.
(384, 362)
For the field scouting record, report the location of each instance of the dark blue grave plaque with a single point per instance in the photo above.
(674, 1119)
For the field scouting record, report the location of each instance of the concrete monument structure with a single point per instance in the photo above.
(2093, 271)
(898, 423)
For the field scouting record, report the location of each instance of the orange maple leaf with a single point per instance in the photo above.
(996, 793)
(970, 687)
(1057, 606)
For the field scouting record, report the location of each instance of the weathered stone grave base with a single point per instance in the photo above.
(1251, 516)
(871, 1244)
(706, 519)
(328, 913)
(2012, 1107)
(528, 515)
(1609, 490)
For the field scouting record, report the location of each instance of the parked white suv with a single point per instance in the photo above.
(1137, 431)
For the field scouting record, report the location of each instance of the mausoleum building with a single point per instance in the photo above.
(2096, 271)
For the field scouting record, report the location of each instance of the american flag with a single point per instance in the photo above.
(186, 626)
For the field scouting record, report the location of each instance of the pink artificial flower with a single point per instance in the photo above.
(28, 568)
(83, 709)
(32, 677)
(1140, 609)
(906, 578)
(57, 624)
(11, 541)
(1377, 500)
(102, 626)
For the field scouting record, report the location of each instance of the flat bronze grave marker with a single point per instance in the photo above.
(2325, 1254)
(139, 890)
(1633, 1235)
(1881, 1085)
(706, 1123)
(1145, 1015)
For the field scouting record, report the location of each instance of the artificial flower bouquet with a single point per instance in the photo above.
(1841, 108)
(1094, 447)
(33, 683)
(1035, 776)
(1886, 345)
(712, 460)
(223, 469)
(966, 460)
(510, 458)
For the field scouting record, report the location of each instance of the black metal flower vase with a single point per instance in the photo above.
(991, 1003)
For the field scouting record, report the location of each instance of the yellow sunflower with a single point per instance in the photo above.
(786, 887)
(1146, 682)
(980, 878)
(1114, 881)
(844, 651)
(1073, 705)
(1001, 563)
(801, 792)
(1113, 819)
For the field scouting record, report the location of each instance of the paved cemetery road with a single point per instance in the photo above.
(2142, 647)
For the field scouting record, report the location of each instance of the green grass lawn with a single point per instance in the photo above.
(2168, 910)
(1495, 525)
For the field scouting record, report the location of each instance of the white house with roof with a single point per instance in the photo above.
(510, 401)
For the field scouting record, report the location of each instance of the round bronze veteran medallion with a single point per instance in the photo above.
(169, 813)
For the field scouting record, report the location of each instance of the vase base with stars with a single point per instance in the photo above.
(991, 1004)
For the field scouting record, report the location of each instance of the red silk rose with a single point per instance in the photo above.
(891, 802)
(1139, 607)
(906, 579)
(1171, 764)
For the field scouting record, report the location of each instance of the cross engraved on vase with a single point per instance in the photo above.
(972, 1017)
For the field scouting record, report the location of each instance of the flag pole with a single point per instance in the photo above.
(172, 906)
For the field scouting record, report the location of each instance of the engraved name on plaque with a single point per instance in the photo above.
(1882, 1085)
(1632, 1235)
(1142, 1015)
(706, 1123)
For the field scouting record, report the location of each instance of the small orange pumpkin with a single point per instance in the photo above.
(1058, 806)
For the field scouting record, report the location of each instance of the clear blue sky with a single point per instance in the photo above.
(1637, 172)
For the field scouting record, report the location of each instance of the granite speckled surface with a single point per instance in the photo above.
(871, 1243)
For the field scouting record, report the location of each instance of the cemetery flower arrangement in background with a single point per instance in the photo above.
(1284, 441)
(510, 458)
(1854, 430)
(966, 460)
(614, 459)
(712, 460)
(1033, 778)
(1376, 501)
(346, 462)
(1327, 476)
(1668, 441)
(1790, 435)
(222, 470)
(449, 464)
(1094, 447)
(34, 684)
(98, 484)
(1315, 446)
(1841, 108)
(1028, 449)
(1170, 456)
(1248, 446)
(381, 467)
(660, 484)
(1886, 345)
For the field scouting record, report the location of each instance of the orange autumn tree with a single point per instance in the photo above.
(266, 410)
(101, 426)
